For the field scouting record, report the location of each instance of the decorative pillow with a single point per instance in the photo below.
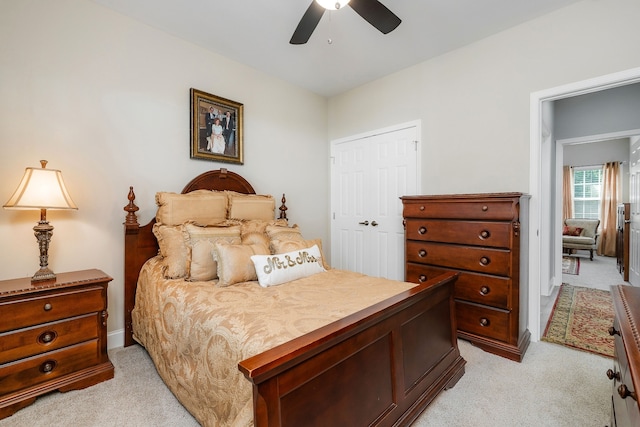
(283, 246)
(203, 207)
(253, 231)
(278, 232)
(276, 269)
(571, 231)
(234, 262)
(173, 249)
(204, 265)
(251, 206)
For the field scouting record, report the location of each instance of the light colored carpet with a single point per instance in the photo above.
(553, 386)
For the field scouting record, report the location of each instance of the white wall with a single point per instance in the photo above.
(474, 102)
(106, 100)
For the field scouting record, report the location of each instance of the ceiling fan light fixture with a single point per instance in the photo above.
(332, 4)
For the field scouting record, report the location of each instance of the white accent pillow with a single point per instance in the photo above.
(281, 268)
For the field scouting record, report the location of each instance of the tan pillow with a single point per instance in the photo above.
(173, 249)
(278, 232)
(251, 206)
(234, 262)
(202, 241)
(203, 207)
(254, 231)
(284, 246)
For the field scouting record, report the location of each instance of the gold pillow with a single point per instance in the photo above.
(278, 232)
(203, 207)
(234, 262)
(173, 249)
(201, 240)
(284, 246)
(251, 206)
(254, 231)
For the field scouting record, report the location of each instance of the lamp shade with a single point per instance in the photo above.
(332, 4)
(41, 189)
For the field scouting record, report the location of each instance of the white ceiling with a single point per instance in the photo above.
(257, 33)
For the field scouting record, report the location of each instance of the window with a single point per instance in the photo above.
(587, 187)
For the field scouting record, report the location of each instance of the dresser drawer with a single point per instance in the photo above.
(489, 290)
(478, 259)
(28, 342)
(48, 366)
(484, 321)
(47, 308)
(478, 233)
(460, 209)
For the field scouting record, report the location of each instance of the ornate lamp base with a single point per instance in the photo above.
(43, 232)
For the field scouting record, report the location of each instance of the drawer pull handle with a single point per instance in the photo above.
(421, 208)
(48, 366)
(611, 374)
(47, 337)
(422, 253)
(47, 307)
(484, 234)
(485, 208)
(484, 290)
(485, 261)
(624, 392)
(422, 278)
(484, 321)
(612, 331)
(422, 230)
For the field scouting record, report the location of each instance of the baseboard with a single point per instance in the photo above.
(115, 339)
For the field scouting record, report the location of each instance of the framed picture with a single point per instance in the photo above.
(216, 128)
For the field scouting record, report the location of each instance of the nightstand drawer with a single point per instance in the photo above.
(470, 258)
(474, 287)
(477, 233)
(46, 308)
(483, 321)
(28, 342)
(48, 366)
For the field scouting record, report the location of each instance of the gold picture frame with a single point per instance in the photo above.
(216, 128)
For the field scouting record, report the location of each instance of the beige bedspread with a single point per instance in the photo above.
(196, 333)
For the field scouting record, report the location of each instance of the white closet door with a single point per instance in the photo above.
(369, 175)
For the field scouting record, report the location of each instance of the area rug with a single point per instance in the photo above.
(580, 319)
(570, 265)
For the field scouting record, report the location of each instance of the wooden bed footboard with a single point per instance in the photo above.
(381, 366)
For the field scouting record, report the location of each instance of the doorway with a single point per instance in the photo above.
(543, 232)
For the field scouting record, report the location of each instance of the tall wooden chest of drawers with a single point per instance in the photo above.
(625, 374)
(484, 237)
(53, 336)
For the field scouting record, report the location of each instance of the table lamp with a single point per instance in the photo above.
(42, 189)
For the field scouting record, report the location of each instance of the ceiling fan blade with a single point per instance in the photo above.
(376, 14)
(307, 24)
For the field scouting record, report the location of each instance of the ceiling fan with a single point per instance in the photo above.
(372, 11)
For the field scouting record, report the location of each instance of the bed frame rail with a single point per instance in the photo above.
(393, 358)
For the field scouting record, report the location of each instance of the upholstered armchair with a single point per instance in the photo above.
(581, 234)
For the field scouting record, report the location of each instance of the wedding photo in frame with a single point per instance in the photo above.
(216, 128)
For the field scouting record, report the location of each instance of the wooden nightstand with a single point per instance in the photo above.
(53, 336)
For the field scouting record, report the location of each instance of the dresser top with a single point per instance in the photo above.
(465, 196)
(24, 285)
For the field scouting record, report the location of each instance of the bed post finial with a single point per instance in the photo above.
(131, 208)
(283, 208)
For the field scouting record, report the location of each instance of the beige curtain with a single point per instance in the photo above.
(567, 192)
(608, 209)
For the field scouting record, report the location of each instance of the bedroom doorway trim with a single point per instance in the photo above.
(542, 190)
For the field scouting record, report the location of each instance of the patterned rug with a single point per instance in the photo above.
(580, 319)
(570, 265)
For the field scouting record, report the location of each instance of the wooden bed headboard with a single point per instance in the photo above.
(140, 243)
